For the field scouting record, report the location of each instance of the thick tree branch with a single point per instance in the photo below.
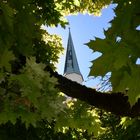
(116, 103)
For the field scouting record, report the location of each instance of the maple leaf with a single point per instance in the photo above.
(5, 58)
(129, 82)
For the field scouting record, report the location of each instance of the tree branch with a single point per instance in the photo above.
(117, 103)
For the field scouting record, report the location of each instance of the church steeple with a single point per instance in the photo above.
(71, 69)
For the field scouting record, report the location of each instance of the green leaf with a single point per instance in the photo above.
(76, 115)
(5, 58)
(29, 87)
(119, 56)
(8, 13)
(76, 2)
(101, 45)
(129, 81)
(102, 65)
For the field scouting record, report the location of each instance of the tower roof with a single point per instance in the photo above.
(71, 63)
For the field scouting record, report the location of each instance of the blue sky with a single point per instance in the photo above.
(83, 29)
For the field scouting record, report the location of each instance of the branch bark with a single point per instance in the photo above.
(117, 103)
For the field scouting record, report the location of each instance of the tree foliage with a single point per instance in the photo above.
(118, 128)
(120, 50)
(43, 131)
(28, 92)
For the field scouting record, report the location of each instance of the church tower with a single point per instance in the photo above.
(71, 70)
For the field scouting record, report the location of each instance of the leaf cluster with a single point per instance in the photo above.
(120, 50)
(26, 90)
(118, 128)
(44, 131)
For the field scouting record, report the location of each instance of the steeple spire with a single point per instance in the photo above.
(71, 63)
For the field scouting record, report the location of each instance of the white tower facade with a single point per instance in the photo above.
(71, 70)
